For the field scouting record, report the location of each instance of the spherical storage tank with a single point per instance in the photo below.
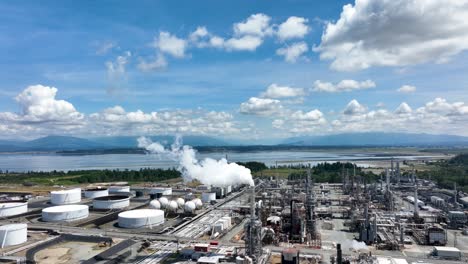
(172, 206)
(96, 192)
(198, 203)
(164, 202)
(65, 196)
(180, 202)
(208, 197)
(189, 207)
(65, 213)
(13, 234)
(155, 204)
(119, 189)
(13, 208)
(111, 202)
(141, 218)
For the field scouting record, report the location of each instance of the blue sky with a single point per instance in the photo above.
(104, 54)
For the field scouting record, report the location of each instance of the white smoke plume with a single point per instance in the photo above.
(208, 171)
(353, 246)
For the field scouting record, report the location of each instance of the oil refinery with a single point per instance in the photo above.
(398, 219)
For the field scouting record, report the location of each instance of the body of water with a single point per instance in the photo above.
(49, 162)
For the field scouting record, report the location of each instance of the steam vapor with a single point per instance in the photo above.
(208, 171)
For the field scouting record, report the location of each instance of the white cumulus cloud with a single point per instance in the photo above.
(255, 25)
(407, 89)
(342, 86)
(261, 106)
(293, 27)
(395, 33)
(354, 108)
(170, 44)
(293, 52)
(275, 91)
(159, 62)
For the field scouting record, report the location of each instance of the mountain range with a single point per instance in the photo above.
(67, 143)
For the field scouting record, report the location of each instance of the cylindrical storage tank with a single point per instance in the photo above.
(172, 206)
(141, 218)
(164, 202)
(161, 191)
(208, 197)
(198, 203)
(13, 234)
(240, 260)
(180, 202)
(119, 189)
(111, 202)
(65, 196)
(13, 208)
(155, 204)
(65, 213)
(96, 192)
(189, 207)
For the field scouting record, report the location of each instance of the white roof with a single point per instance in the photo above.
(65, 208)
(214, 259)
(390, 260)
(13, 227)
(66, 191)
(139, 213)
(454, 249)
(8, 205)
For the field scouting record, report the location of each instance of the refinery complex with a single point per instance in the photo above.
(398, 219)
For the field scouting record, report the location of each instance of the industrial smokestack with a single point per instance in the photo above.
(398, 172)
(387, 175)
(252, 205)
(392, 169)
(455, 194)
(339, 254)
(416, 206)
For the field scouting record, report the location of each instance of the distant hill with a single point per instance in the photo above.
(378, 139)
(67, 143)
(62, 143)
(126, 144)
(131, 141)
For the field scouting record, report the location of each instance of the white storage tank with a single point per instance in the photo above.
(96, 192)
(164, 202)
(119, 189)
(65, 213)
(141, 218)
(189, 207)
(13, 208)
(65, 196)
(172, 206)
(198, 203)
(155, 204)
(207, 197)
(180, 202)
(111, 202)
(13, 234)
(161, 191)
